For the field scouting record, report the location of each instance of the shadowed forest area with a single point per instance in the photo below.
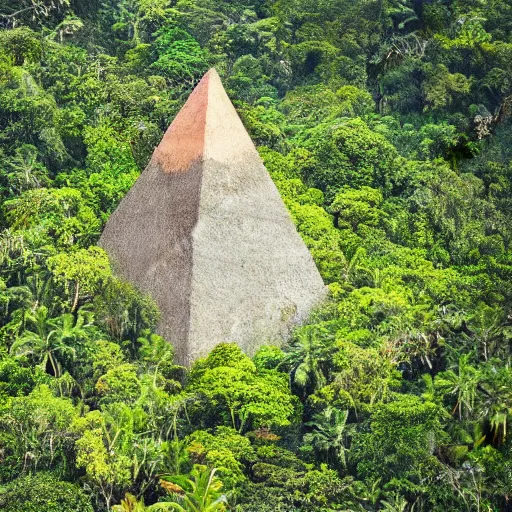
(385, 125)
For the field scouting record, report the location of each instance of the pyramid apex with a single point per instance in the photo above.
(183, 144)
(211, 71)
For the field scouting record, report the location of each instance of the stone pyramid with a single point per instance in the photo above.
(206, 234)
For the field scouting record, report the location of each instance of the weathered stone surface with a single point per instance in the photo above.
(206, 234)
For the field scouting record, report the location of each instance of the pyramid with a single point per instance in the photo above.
(205, 233)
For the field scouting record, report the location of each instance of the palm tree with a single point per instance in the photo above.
(307, 358)
(175, 455)
(23, 171)
(50, 338)
(130, 504)
(329, 434)
(155, 351)
(353, 267)
(495, 400)
(464, 384)
(20, 301)
(410, 337)
(199, 493)
(490, 330)
(397, 503)
(12, 248)
(39, 286)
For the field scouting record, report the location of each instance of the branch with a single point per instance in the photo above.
(14, 14)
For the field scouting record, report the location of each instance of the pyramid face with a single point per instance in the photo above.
(206, 234)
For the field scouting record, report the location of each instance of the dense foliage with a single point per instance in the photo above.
(385, 125)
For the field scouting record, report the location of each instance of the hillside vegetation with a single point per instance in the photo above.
(386, 127)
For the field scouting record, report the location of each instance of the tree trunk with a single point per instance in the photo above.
(75, 300)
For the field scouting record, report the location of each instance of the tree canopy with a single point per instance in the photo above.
(385, 125)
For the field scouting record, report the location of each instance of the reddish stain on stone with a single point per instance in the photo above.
(183, 142)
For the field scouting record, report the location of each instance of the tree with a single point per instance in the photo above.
(307, 358)
(462, 384)
(363, 377)
(239, 394)
(318, 232)
(180, 58)
(36, 431)
(355, 101)
(489, 329)
(107, 470)
(131, 504)
(124, 312)
(442, 87)
(22, 43)
(35, 10)
(18, 380)
(23, 171)
(60, 213)
(157, 355)
(51, 339)
(201, 492)
(353, 155)
(226, 450)
(389, 139)
(494, 399)
(400, 442)
(357, 207)
(119, 384)
(328, 435)
(308, 105)
(86, 269)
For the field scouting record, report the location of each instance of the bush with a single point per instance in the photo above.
(43, 492)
